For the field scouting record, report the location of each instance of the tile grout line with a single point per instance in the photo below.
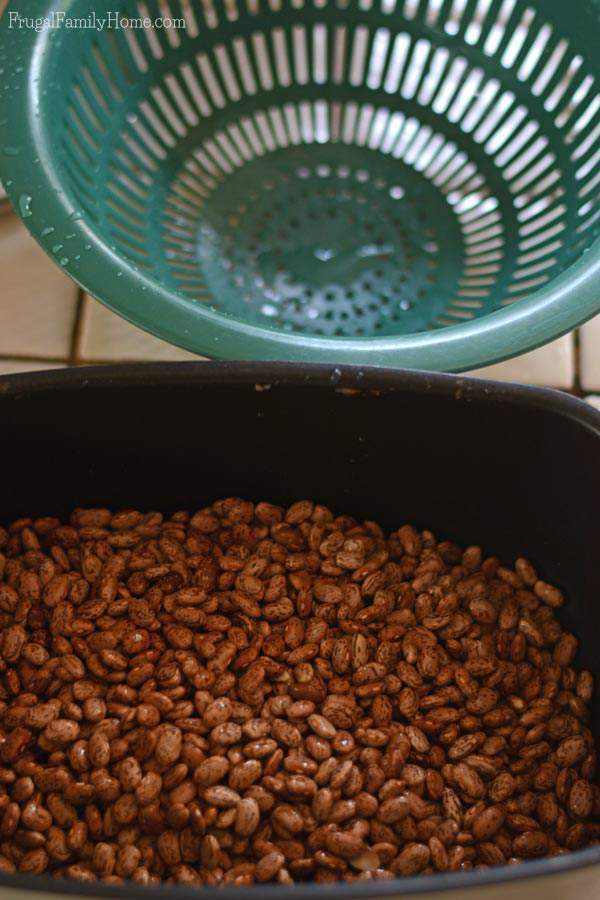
(76, 329)
(21, 357)
(577, 388)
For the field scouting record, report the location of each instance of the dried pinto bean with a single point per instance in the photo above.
(253, 694)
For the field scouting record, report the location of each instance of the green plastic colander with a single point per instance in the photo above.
(391, 182)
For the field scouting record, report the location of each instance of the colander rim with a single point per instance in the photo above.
(552, 310)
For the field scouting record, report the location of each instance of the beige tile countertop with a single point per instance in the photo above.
(46, 322)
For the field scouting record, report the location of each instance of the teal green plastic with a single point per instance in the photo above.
(409, 183)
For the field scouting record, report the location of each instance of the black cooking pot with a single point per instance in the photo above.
(513, 468)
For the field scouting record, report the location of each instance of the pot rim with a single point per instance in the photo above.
(441, 882)
(264, 375)
(341, 378)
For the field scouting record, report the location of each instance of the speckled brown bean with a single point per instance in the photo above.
(438, 854)
(34, 862)
(130, 773)
(268, 866)
(411, 860)
(488, 823)
(571, 751)
(247, 817)
(393, 810)
(530, 844)
(168, 746)
(127, 861)
(220, 796)
(35, 817)
(581, 799)
(148, 789)
(98, 750)
(547, 592)
(344, 844)
(103, 859)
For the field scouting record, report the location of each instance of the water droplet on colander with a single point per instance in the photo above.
(69, 237)
(12, 151)
(335, 376)
(405, 305)
(75, 216)
(64, 260)
(25, 205)
(324, 253)
(267, 309)
(18, 69)
(396, 192)
(119, 274)
(378, 250)
(48, 230)
(57, 248)
(87, 246)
